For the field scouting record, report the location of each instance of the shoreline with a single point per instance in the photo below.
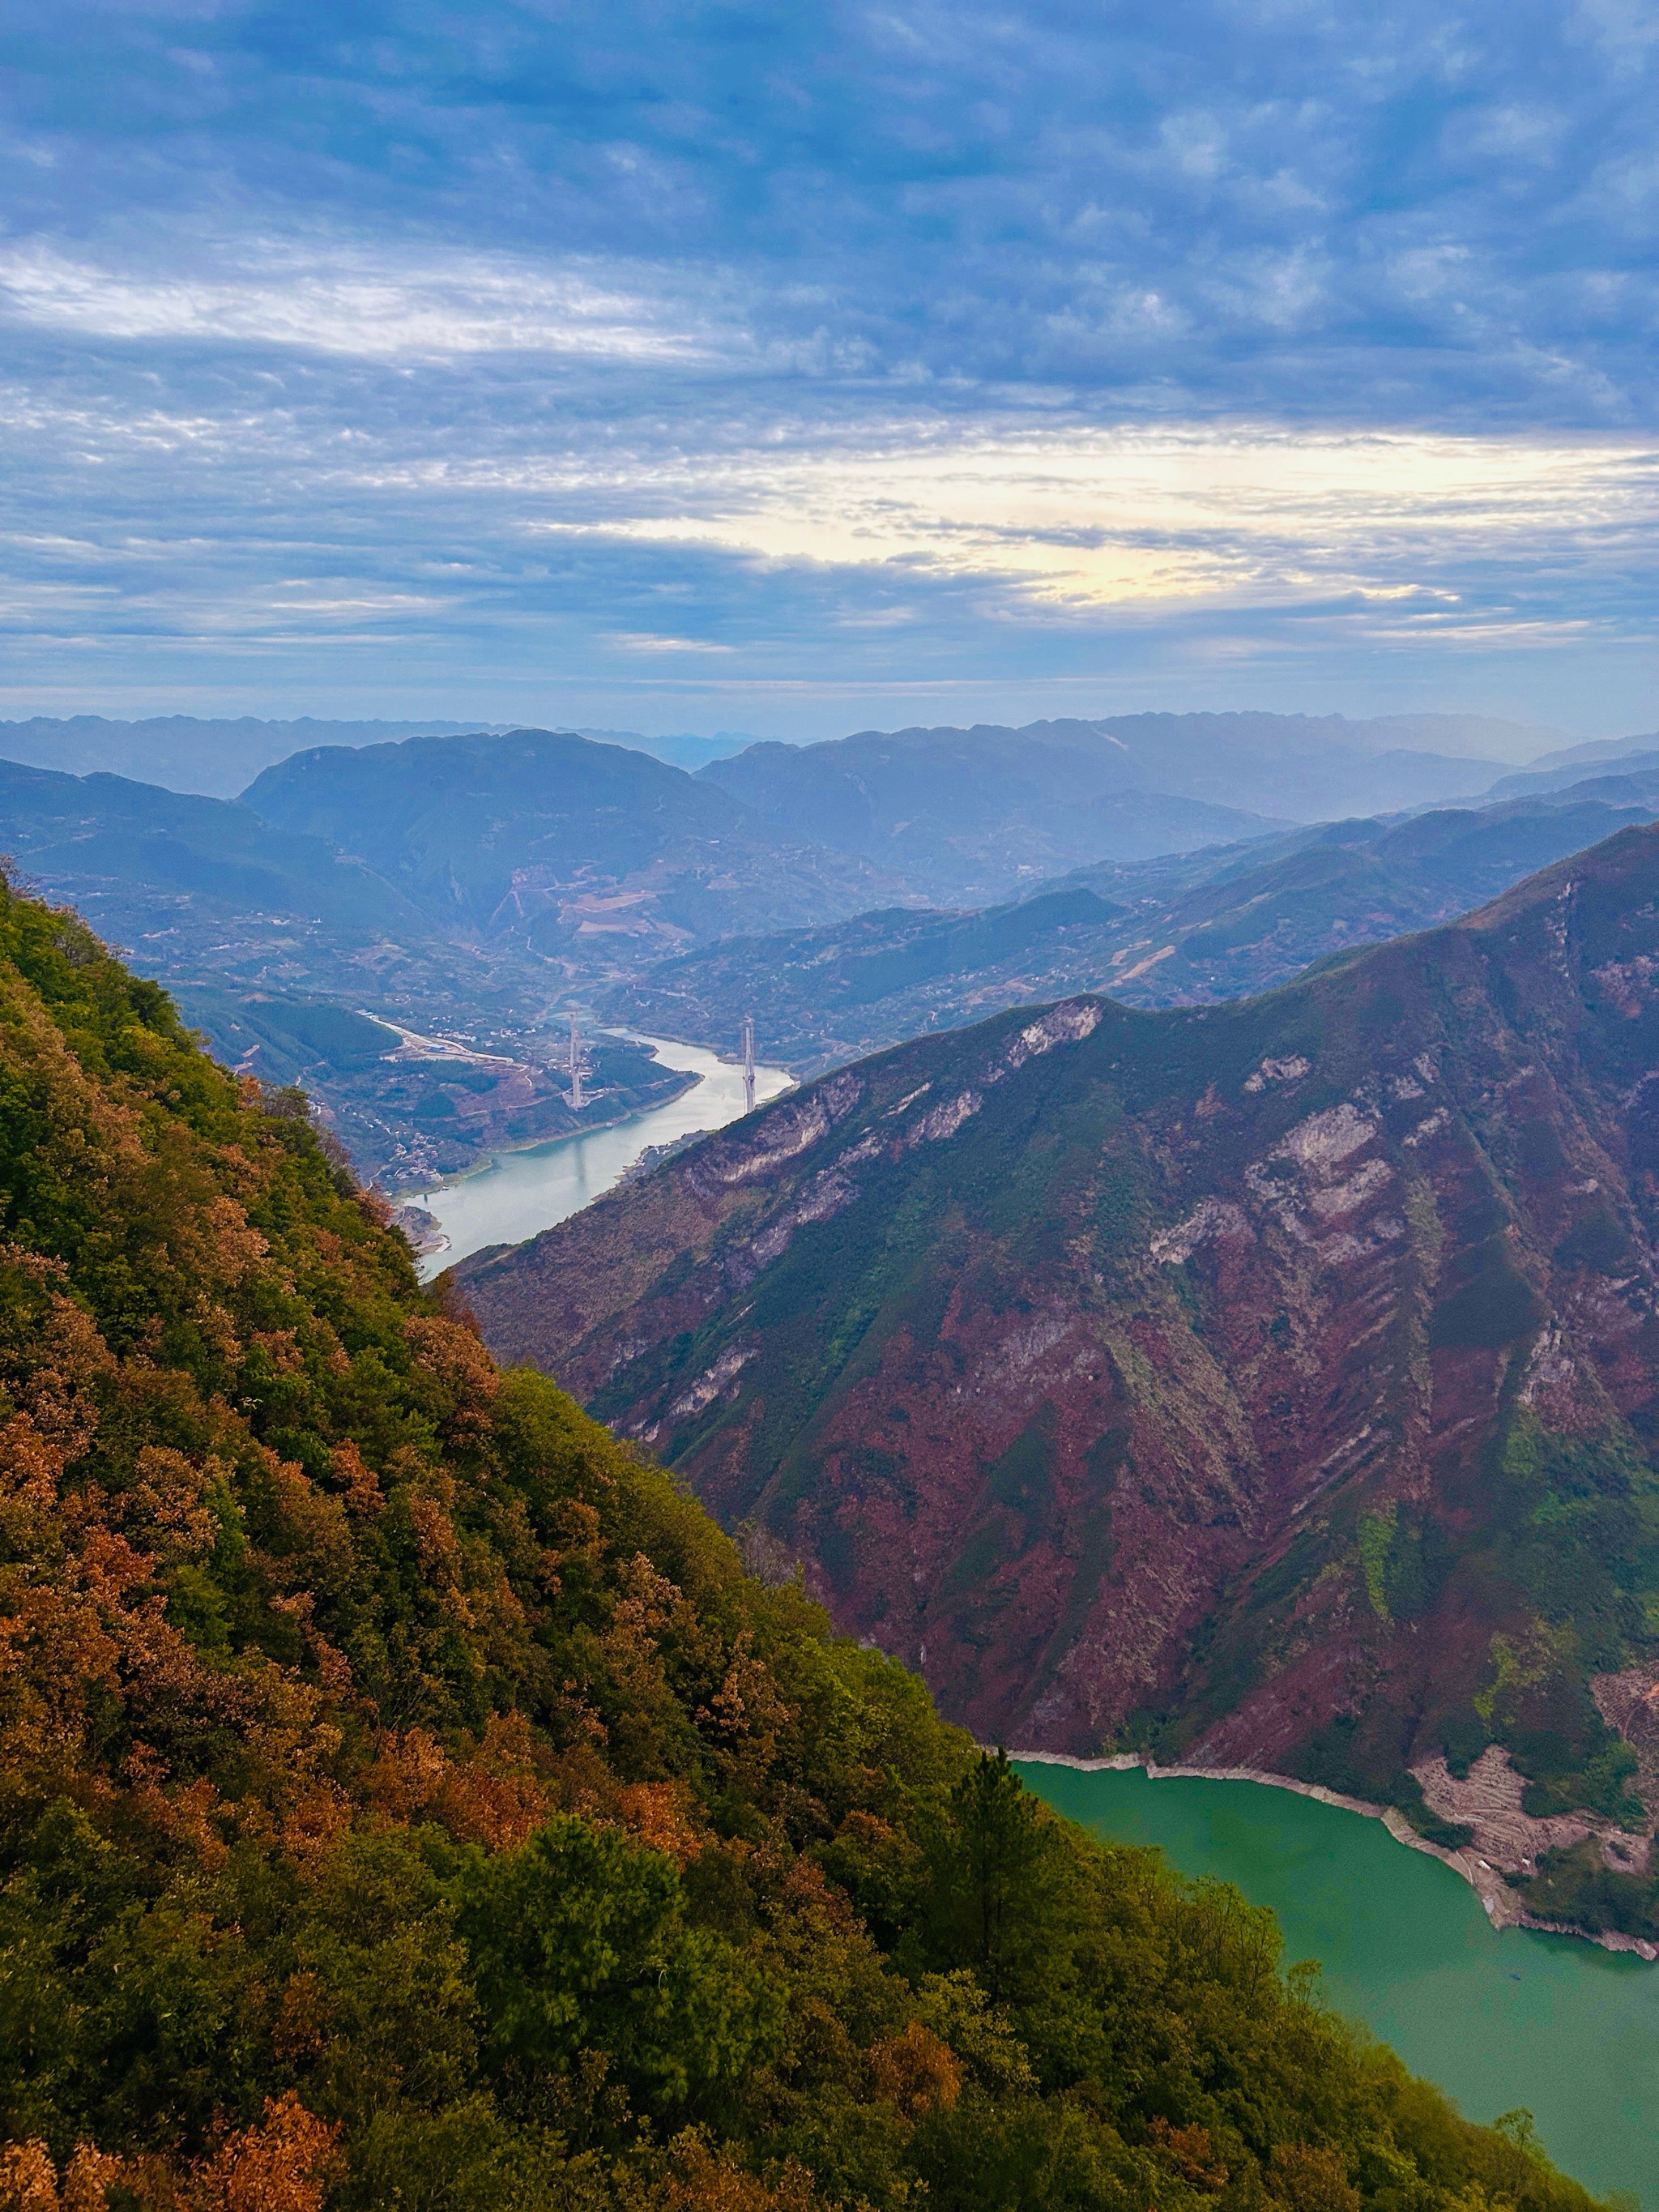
(694, 1077)
(512, 1193)
(496, 1152)
(1502, 1906)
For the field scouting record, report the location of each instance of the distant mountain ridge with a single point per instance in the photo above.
(679, 748)
(115, 837)
(570, 844)
(1217, 925)
(965, 816)
(212, 755)
(969, 817)
(1595, 752)
(1628, 774)
(216, 756)
(1273, 1384)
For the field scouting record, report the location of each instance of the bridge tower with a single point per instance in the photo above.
(580, 1068)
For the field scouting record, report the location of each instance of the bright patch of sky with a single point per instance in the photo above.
(687, 365)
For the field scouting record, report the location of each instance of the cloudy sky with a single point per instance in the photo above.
(789, 368)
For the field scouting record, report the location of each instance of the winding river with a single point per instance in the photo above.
(1563, 2027)
(519, 1194)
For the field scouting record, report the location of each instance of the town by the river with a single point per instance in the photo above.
(1500, 2020)
(519, 1194)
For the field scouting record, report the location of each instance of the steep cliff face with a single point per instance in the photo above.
(1268, 1384)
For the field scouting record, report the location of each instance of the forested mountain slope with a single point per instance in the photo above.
(1163, 934)
(405, 1800)
(1271, 1384)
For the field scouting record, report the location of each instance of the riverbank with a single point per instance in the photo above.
(1500, 1903)
(522, 1190)
(1499, 2019)
(413, 1189)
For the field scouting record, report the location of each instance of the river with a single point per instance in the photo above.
(519, 1194)
(1561, 2027)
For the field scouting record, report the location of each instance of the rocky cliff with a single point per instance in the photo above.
(1271, 1384)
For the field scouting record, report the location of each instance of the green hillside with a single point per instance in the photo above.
(405, 1800)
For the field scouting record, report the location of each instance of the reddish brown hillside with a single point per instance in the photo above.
(1271, 1384)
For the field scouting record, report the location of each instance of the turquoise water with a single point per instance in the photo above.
(1563, 2027)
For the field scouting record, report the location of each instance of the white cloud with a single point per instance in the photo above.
(1111, 517)
(375, 306)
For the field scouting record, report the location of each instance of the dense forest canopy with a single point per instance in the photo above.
(405, 1799)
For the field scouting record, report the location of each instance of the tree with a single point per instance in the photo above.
(996, 1881)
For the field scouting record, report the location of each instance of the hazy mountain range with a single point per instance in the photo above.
(583, 851)
(1214, 924)
(217, 756)
(1269, 1384)
(968, 816)
(184, 752)
(482, 884)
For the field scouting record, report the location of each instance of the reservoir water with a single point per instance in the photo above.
(519, 1194)
(1561, 2027)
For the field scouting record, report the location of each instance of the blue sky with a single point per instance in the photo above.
(790, 369)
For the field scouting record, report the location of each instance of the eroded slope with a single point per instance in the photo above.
(1269, 1385)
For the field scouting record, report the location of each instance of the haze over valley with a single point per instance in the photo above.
(480, 889)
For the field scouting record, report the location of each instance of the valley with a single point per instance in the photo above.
(292, 948)
(828, 1108)
(517, 1195)
(1265, 1385)
(1109, 1472)
(484, 887)
(385, 1744)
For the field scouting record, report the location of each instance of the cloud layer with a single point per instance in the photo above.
(594, 362)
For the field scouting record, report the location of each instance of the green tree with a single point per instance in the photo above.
(579, 1943)
(997, 1886)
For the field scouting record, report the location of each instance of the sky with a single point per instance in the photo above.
(796, 369)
